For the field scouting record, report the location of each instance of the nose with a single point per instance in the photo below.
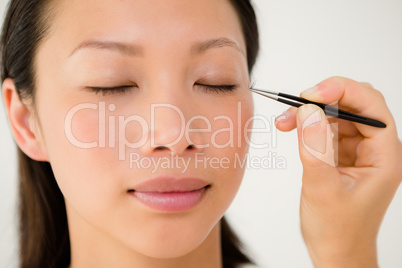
(170, 132)
(174, 150)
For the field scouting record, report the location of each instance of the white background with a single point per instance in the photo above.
(302, 43)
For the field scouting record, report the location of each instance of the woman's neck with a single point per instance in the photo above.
(91, 248)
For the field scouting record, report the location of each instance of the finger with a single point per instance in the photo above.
(287, 120)
(347, 150)
(346, 138)
(315, 145)
(343, 127)
(354, 97)
(367, 85)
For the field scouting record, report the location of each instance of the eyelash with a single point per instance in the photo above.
(111, 90)
(122, 89)
(218, 88)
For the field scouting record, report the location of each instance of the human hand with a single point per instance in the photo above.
(348, 187)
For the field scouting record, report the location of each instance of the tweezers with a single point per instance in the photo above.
(328, 110)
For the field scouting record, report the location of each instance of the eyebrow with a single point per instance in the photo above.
(202, 47)
(123, 48)
(136, 50)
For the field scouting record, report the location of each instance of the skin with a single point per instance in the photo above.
(342, 207)
(165, 64)
(340, 212)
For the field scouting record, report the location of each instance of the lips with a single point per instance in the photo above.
(169, 194)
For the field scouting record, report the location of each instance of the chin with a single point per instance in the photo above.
(174, 240)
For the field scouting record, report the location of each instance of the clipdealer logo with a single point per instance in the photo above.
(115, 128)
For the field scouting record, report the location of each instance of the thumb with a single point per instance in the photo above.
(315, 141)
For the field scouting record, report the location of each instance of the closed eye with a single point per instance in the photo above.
(125, 88)
(112, 90)
(217, 88)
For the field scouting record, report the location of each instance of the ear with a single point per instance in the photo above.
(25, 130)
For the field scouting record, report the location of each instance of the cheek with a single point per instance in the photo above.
(82, 126)
(231, 140)
(83, 169)
(101, 126)
(231, 129)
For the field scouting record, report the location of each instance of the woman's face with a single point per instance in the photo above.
(132, 160)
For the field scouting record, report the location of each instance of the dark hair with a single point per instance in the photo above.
(44, 238)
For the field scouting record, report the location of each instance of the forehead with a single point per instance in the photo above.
(152, 23)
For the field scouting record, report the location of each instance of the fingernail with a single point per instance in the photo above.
(310, 91)
(285, 115)
(313, 128)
